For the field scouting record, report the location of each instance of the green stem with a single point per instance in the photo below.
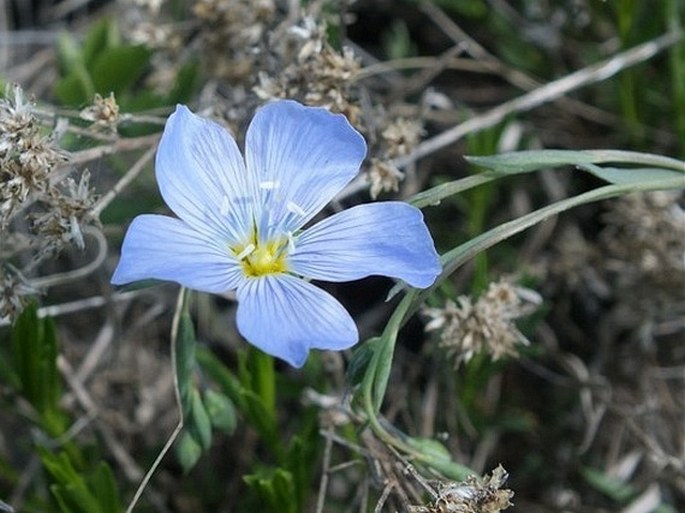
(379, 367)
(376, 379)
(448, 468)
(434, 195)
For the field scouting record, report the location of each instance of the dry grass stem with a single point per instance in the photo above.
(545, 93)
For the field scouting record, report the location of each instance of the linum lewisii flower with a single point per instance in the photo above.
(241, 222)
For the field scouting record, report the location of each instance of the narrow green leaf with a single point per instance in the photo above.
(198, 423)
(51, 390)
(633, 175)
(261, 368)
(284, 491)
(525, 161)
(299, 461)
(76, 89)
(59, 467)
(610, 486)
(383, 366)
(221, 411)
(533, 160)
(70, 488)
(116, 69)
(454, 258)
(34, 357)
(264, 488)
(219, 373)
(275, 489)
(185, 346)
(69, 55)
(26, 351)
(264, 421)
(635, 158)
(102, 35)
(188, 451)
(104, 488)
(378, 373)
(73, 499)
(360, 361)
(439, 458)
(186, 83)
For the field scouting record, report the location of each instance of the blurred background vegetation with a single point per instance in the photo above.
(581, 402)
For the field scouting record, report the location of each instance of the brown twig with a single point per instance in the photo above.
(124, 182)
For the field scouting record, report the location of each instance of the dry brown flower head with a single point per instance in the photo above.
(384, 177)
(310, 69)
(470, 496)
(233, 31)
(401, 136)
(398, 137)
(27, 155)
(40, 211)
(103, 113)
(68, 211)
(13, 294)
(486, 325)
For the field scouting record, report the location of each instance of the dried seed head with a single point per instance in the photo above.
(398, 136)
(401, 136)
(103, 113)
(237, 27)
(308, 68)
(27, 155)
(467, 328)
(472, 495)
(384, 177)
(638, 261)
(14, 295)
(62, 222)
(151, 5)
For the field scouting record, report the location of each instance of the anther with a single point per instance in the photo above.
(291, 243)
(224, 206)
(293, 207)
(245, 252)
(269, 185)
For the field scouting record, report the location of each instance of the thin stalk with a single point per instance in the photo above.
(180, 306)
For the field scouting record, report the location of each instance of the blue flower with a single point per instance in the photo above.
(240, 225)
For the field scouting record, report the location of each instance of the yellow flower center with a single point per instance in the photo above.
(258, 259)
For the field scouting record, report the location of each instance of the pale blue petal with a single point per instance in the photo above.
(285, 316)
(164, 248)
(202, 176)
(302, 156)
(388, 239)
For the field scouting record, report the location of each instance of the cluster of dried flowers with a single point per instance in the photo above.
(486, 325)
(40, 210)
(644, 245)
(637, 261)
(28, 156)
(103, 113)
(264, 53)
(235, 30)
(307, 67)
(473, 495)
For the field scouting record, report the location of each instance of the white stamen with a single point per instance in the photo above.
(269, 185)
(224, 206)
(291, 243)
(295, 208)
(245, 252)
